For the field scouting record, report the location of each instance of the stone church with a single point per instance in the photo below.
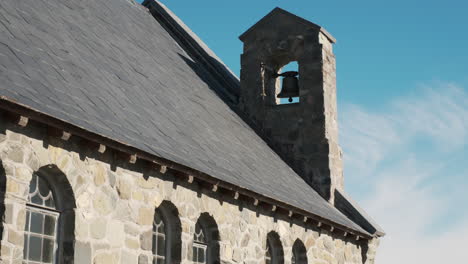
(124, 139)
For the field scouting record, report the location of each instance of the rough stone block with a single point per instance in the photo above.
(116, 234)
(100, 174)
(124, 189)
(82, 252)
(145, 216)
(146, 240)
(102, 204)
(15, 237)
(105, 258)
(143, 259)
(128, 258)
(98, 228)
(16, 154)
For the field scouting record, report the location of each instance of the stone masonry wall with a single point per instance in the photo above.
(115, 207)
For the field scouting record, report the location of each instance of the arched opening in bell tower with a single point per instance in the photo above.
(287, 84)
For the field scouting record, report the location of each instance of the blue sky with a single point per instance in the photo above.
(402, 69)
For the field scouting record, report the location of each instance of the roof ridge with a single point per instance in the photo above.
(197, 49)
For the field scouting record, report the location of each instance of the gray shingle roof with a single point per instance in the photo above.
(111, 68)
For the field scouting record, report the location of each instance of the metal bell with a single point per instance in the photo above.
(290, 86)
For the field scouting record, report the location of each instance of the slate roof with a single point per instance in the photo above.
(109, 67)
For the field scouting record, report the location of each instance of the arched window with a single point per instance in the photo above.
(50, 218)
(268, 254)
(40, 232)
(274, 249)
(3, 182)
(205, 247)
(200, 245)
(166, 234)
(159, 239)
(299, 253)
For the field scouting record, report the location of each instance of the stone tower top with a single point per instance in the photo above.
(278, 14)
(303, 133)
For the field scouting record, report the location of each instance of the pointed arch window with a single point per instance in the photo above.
(268, 255)
(299, 253)
(205, 246)
(159, 239)
(274, 249)
(200, 245)
(40, 232)
(166, 235)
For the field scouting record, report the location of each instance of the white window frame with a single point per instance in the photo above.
(157, 234)
(199, 242)
(204, 247)
(32, 208)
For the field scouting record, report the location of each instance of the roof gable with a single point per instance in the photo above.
(279, 15)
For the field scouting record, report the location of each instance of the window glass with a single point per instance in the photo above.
(199, 245)
(40, 193)
(268, 255)
(40, 231)
(299, 253)
(159, 239)
(274, 249)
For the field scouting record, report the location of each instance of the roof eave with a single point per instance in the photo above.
(347, 206)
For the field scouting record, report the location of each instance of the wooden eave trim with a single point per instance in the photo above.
(23, 110)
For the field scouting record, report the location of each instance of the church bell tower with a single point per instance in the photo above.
(294, 110)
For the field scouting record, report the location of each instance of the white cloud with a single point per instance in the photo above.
(367, 137)
(441, 113)
(412, 158)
